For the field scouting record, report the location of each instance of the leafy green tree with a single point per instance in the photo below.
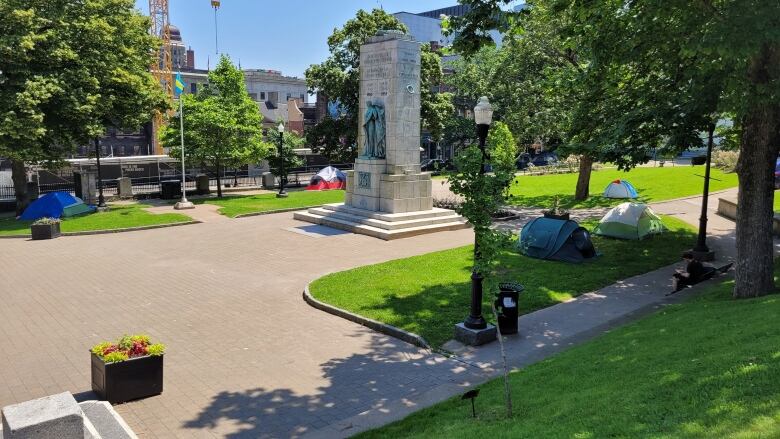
(662, 71)
(288, 159)
(483, 195)
(503, 146)
(334, 138)
(338, 78)
(67, 71)
(222, 124)
(691, 62)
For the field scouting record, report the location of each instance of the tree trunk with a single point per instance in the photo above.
(583, 180)
(19, 177)
(758, 153)
(219, 181)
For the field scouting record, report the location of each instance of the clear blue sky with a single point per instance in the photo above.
(286, 35)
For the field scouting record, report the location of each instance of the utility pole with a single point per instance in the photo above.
(215, 4)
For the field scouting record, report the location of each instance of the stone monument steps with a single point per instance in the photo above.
(386, 225)
(357, 226)
(60, 416)
(384, 216)
(106, 421)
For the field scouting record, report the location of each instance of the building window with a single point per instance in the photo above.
(303, 97)
(289, 95)
(253, 96)
(193, 87)
(262, 95)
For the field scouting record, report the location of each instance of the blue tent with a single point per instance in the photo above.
(55, 205)
(561, 240)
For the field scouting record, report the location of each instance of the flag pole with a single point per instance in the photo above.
(183, 204)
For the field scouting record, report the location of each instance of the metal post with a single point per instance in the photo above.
(101, 200)
(282, 172)
(475, 319)
(701, 251)
(183, 204)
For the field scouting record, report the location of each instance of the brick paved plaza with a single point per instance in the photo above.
(246, 357)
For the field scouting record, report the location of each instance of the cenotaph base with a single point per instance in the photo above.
(387, 195)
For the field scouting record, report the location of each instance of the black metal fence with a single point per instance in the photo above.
(151, 186)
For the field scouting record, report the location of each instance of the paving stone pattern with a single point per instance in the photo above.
(246, 356)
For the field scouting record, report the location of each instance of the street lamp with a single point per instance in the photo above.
(282, 171)
(700, 251)
(101, 200)
(483, 116)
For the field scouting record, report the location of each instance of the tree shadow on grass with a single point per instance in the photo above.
(387, 372)
(568, 201)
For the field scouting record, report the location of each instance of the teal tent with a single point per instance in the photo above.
(560, 240)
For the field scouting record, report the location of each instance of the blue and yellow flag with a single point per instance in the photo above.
(178, 84)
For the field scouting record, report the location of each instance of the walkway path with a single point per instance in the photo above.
(246, 356)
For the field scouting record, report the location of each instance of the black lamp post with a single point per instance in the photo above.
(282, 171)
(483, 116)
(101, 200)
(701, 251)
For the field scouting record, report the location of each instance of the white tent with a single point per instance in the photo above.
(630, 221)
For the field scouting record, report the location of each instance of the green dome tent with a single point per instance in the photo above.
(630, 221)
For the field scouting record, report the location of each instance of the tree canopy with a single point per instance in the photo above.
(67, 71)
(222, 124)
(338, 78)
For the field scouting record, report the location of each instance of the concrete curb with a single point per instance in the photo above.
(369, 323)
(105, 232)
(269, 212)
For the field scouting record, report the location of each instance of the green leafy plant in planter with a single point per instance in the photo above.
(128, 369)
(45, 228)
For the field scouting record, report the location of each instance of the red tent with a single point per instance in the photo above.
(328, 178)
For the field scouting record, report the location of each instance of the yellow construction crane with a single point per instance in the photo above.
(161, 68)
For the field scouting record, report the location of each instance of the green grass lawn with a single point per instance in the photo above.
(117, 217)
(242, 204)
(652, 184)
(428, 294)
(707, 368)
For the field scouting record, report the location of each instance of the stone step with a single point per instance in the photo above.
(377, 232)
(384, 216)
(387, 225)
(106, 421)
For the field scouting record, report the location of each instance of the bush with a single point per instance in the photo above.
(726, 161)
(129, 346)
(46, 221)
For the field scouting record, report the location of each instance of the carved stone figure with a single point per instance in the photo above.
(374, 130)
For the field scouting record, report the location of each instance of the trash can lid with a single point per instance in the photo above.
(511, 286)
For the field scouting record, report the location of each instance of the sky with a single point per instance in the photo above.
(286, 35)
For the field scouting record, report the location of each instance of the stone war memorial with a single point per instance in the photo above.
(387, 195)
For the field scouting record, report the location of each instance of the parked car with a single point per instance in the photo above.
(544, 159)
(523, 160)
(436, 165)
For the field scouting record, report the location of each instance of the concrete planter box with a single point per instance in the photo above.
(127, 380)
(45, 231)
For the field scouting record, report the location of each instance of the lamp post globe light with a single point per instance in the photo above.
(282, 171)
(483, 116)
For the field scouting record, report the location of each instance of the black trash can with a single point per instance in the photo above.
(170, 189)
(507, 307)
